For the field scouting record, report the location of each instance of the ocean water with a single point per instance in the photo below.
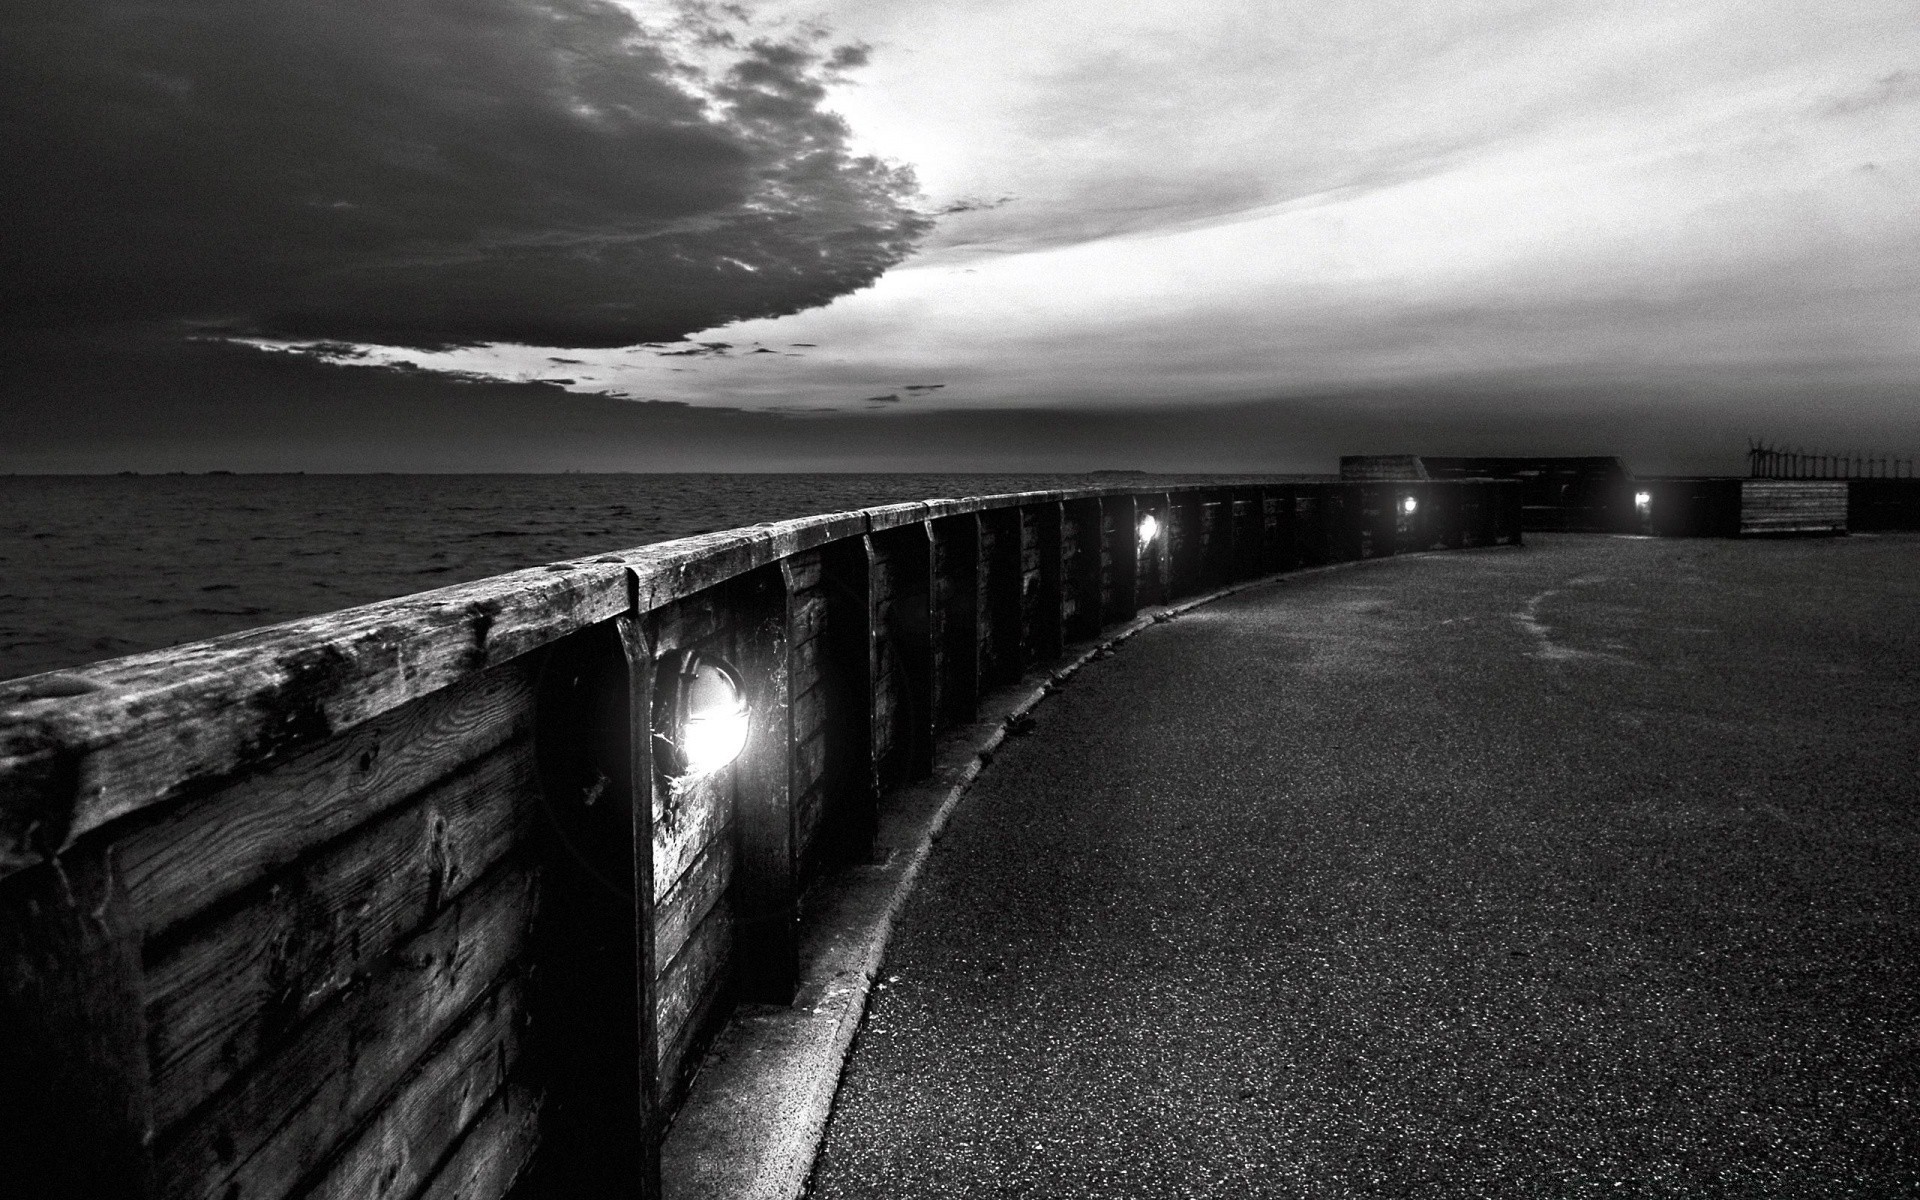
(96, 566)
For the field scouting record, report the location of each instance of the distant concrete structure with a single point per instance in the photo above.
(1591, 493)
(1599, 494)
(1726, 507)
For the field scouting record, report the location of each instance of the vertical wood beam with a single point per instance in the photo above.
(1122, 513)
(848, 663)
(956, 614)
(592, 1041)
(1216, 540)
(903, 561)
(766, 870)
(76, 1109)
(639, 754)
(1278, 508)
(1080, 574)
(1050, 637)
(1002, 588)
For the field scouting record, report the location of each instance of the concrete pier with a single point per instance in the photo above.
(1586, 869)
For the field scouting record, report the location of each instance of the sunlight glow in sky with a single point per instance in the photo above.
(1167, 202)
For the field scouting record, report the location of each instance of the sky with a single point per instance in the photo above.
(971, 235)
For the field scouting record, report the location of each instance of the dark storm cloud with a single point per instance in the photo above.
(423, 174)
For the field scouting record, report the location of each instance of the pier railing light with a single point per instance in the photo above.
(699, 714)
(1409, 505)
(1643, 501)
(1149, 530)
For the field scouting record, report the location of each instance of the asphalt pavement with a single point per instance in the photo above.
(1590, 869)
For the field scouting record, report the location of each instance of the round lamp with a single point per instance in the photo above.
(1149, 529)
(699, 714)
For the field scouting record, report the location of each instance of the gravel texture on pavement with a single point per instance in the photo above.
(1591, 869)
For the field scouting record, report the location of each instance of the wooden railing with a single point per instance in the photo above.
(394, 902)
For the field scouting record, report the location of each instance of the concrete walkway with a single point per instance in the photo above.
(1586, 870)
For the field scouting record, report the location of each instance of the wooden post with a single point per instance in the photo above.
(956, 618)
(1249, 524)
(1045, 600)
(1282, 553)
(76, 1109)
(849, 647)
(1186, 541)
(902, 561)
(1001, 593)
(592, 1040)
(765, 880)
(1081, 569)
(1120, 514)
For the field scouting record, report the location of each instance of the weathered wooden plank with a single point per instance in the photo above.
(849, 790)
(766, 892)
(695, 983)
(804, 663)
(230, 986)
(1120, 515)
(212, 846)
(589, 1045)
(809, 824)
(956, 638)
(1081, 544)
(493, 1152)
(668, 571)
(688, 902)
(81, 748)
(396, 1151)
(691, 621)
(1042, 527)
(803, 571)
(902, 620)
(698, 812)
(75, 1104)
(810, 760)
(809, 713)
(273, 1125)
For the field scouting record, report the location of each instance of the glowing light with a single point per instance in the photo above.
(1149, 529)
(700, 712)
(1643, 501)
(1409, 505)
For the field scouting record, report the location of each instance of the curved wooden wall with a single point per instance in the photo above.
(392, 902)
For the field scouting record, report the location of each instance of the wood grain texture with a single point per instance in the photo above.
(697, 815)
(259, 1136)
(75, 1102)
(805, 660)
(809, 713)
(691, 991)
(396, 1151)
(213, 846)
(690, 900)
(232, 986)
(79, 748)
(494, 1152)
(766, 893)
(149, 727)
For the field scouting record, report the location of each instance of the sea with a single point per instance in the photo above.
(97, 566)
